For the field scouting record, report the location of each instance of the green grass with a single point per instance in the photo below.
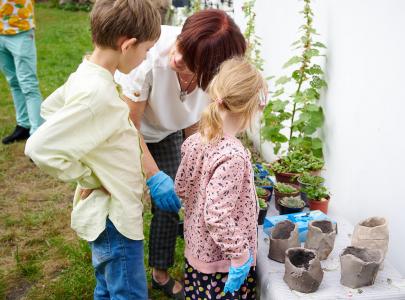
(40, 256)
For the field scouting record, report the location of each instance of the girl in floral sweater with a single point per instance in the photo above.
(215, 182)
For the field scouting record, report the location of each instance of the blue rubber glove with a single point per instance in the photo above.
(237, 275)
(161, 188)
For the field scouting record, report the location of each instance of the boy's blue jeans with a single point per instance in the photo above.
(119, 266)
(18, 62)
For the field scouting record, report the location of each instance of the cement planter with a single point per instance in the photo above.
(359, 266)
(372, 233)
(303, 272)
(321, 238)
(283, 236)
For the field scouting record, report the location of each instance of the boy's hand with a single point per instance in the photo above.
(161, 188)
(84, 193)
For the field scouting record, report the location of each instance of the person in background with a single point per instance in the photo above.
(215, 182)
(166, 95)
(18, 62)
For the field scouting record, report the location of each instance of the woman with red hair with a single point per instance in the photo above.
(166, 95)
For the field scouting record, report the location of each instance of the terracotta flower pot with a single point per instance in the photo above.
(303, 272)
(359, 266)
(287, 177)
(372, 233)
(283, 236)
(321, 205)
(321, 238)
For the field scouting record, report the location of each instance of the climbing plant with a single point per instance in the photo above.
(298, 113)
(253, 41)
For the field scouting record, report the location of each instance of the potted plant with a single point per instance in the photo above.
(306, 180)
(284, 190)
(318, 198)
(262, 212)
(262, 193)
(262, 177)
(290, 205)
(288, 168)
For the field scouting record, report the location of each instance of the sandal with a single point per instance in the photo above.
(167, 288)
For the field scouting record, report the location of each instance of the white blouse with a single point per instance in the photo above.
(155, 82)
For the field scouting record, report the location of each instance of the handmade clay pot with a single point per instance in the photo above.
(283, 236)
(303, 270)
(372, 233)
(359, 266)
(321, 238)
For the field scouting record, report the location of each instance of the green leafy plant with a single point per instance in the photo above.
(292, 202)
(285, 188)
(262, 203)
(316, 192)
(261, 192)
(298, 162)
(309, 179)
(254, 43)
(299, 111)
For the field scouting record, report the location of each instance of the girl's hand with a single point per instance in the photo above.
(84, 193)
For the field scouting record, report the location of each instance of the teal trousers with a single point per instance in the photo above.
(18, 62)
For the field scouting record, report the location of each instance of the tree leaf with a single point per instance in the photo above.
(315, 70)
(319, 45)
(317, 82)
(279, 105)
(282, 80)
(292, 61)
(278, 92)
(317, 143)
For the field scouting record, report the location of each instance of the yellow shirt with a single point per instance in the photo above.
(89, 139)
(16, 16)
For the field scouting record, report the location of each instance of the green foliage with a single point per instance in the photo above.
(298, 162)
(292, 202)
(73, 6)
(262, 203)
(261, 192)
(285, 188)
(253, 41)
(300, 111)
(309, 179)
(316, 192)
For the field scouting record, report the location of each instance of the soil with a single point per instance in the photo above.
(301, 258)
(325, 227)
(283, 231)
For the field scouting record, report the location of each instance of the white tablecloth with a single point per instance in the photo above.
(389, 283)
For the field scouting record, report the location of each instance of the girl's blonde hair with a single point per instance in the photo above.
(237, 88)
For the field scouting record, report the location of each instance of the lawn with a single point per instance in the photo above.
(40, 256)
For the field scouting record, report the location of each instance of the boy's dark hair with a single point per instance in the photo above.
(112, 19)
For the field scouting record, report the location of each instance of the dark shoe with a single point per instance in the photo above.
(19, 134)
(167, 288)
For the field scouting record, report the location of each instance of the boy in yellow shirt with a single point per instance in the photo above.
(88, 138)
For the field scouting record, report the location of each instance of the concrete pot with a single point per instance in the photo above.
(321, 238)
(359, 266)
(303, 272)
(372, 233)
(283, 236)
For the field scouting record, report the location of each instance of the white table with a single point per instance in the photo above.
(389, 283)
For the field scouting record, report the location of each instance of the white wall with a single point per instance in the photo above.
(365, 124)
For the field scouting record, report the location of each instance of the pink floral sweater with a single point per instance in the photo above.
(215, 183)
